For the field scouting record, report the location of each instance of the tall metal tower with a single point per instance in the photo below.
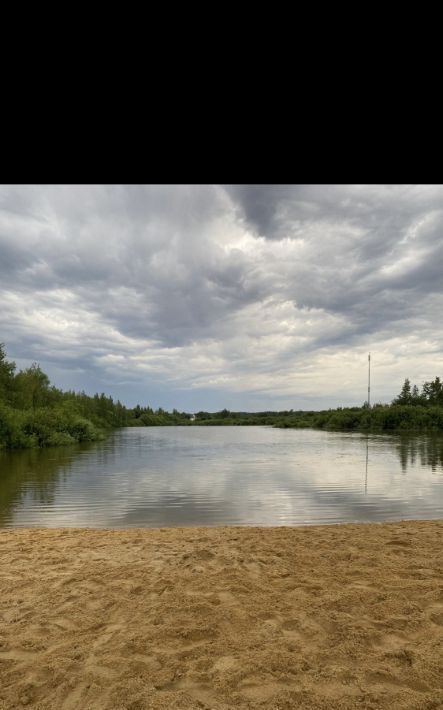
(369, 379)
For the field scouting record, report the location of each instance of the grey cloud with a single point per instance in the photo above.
(260, 203)
(180, 265)
(278, 211)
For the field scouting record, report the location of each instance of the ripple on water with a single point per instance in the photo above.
(158, 477)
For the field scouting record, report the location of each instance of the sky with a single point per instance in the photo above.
(204, 297)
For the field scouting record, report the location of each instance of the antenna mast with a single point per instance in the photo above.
(369, 379)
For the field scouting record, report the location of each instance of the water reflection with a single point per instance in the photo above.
(34, 473)
(428, 450)
(223, 475)
(366, 471)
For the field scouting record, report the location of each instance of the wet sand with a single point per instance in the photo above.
(346, 616)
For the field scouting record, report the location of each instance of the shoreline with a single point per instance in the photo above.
(227, 526)
(346, 615)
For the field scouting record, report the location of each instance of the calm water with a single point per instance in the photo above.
(172, 476)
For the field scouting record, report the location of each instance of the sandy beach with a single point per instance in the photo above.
(346, 616)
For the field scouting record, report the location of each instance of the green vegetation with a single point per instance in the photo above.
(227, 418)
(35, 414)
(380, 418)
(412, 410)
(145, 416)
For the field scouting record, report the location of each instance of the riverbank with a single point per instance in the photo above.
(346, 616)
(379, 419)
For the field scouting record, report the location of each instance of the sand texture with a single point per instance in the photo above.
(346, 616)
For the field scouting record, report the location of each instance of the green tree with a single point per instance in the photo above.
(415, 396)
(405, 396)
(32, 388)
(7, 370)
(433, 392)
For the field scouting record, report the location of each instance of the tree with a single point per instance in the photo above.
(405, 396)
(32, 388)
(415, 396)
(7, 370)
(433, 391)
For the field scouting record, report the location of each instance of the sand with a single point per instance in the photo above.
(346, 616)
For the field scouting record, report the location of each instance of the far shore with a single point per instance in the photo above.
(321, 617)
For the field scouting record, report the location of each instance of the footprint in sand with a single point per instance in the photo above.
(224, 663)
(437, 617)
(204, 555)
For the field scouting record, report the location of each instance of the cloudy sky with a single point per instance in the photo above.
(248, 297)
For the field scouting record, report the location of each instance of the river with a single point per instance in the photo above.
(246, 475)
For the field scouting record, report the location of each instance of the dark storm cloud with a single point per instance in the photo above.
(383, 211)
(377, 248)
(260, 204)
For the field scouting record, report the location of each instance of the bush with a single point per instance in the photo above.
(60, 438)
(12, 434)
(82, 429)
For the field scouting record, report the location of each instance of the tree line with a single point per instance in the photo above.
(411, 410)
(33, 413)
(431, 394)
